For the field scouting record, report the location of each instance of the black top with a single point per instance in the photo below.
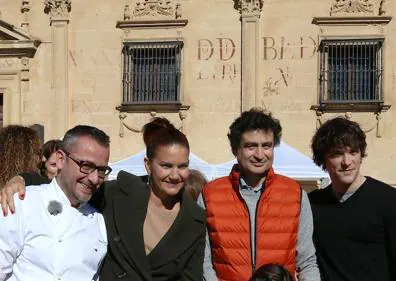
(356, 240)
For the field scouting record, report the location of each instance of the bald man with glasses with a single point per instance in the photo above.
(56, 234)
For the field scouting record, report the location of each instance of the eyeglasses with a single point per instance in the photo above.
(88, 167)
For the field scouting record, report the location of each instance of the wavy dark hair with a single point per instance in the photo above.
(254, 119)
(271, 272)
(337, 134)
(19, 151)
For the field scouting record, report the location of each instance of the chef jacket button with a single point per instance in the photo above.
(121, 275)
(117, 239)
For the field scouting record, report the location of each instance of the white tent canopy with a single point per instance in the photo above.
(287, 161)
(135, 165)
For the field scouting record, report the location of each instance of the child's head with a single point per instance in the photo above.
(194, 184)
(271, 272)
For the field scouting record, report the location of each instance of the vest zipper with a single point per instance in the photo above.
(250, 237)
(255, 230)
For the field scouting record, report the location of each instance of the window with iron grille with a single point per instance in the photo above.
(151, 73)
(351, 71)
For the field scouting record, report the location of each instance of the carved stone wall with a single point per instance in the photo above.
(25, 9)
(153, 9)
(358, 7)
(249, 7)
(58, 9)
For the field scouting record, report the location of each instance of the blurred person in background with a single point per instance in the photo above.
(19, 151)
(194, 184)
(271, 272)
(48, 166)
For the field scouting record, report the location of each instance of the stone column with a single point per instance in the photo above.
(250, 19)
(59, 19)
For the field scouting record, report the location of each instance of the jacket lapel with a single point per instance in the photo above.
(129, 214)
(186, 229)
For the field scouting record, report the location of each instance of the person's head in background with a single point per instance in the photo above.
(166, 161)
(271, 272)
(194, 184)
(19, 151)
(48, 158)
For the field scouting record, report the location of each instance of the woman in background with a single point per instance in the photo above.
(48, 158)
(19, 151)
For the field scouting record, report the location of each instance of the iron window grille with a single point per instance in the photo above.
(351, 71)
(151, 72)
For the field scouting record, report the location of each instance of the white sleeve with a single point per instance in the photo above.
(11, 239)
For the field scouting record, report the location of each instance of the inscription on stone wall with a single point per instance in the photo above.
(217, 58)
(282, 77)
(283, 48)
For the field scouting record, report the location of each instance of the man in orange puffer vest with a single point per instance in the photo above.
(255, 216)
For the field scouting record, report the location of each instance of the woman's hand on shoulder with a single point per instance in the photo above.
(14, 185)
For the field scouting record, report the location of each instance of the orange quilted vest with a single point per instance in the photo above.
(277, 218)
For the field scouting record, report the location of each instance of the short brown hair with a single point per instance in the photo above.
(194, 184)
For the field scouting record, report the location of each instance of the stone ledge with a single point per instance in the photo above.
(351, 107)
(353, 20)
(150, 107)
(147, 24)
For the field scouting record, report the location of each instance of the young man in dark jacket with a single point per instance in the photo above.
(355, 216)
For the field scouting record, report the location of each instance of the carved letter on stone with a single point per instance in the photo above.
(352, 6)
(249, 7)
(58, 9)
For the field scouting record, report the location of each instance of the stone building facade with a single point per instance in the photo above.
(117, 63)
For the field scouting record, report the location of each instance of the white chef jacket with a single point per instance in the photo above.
(35, 245)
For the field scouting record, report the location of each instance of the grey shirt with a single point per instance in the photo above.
(307, 269)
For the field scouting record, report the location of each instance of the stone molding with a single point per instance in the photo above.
(352, 7)
(25, 9)
(383, 7)
(153, 9)
(16, 42)
(152, 14)
(153, 111)
(143, 24)
(249, 7)
(57, 9)
(356, 20)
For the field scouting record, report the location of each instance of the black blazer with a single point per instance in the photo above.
(179, 254)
